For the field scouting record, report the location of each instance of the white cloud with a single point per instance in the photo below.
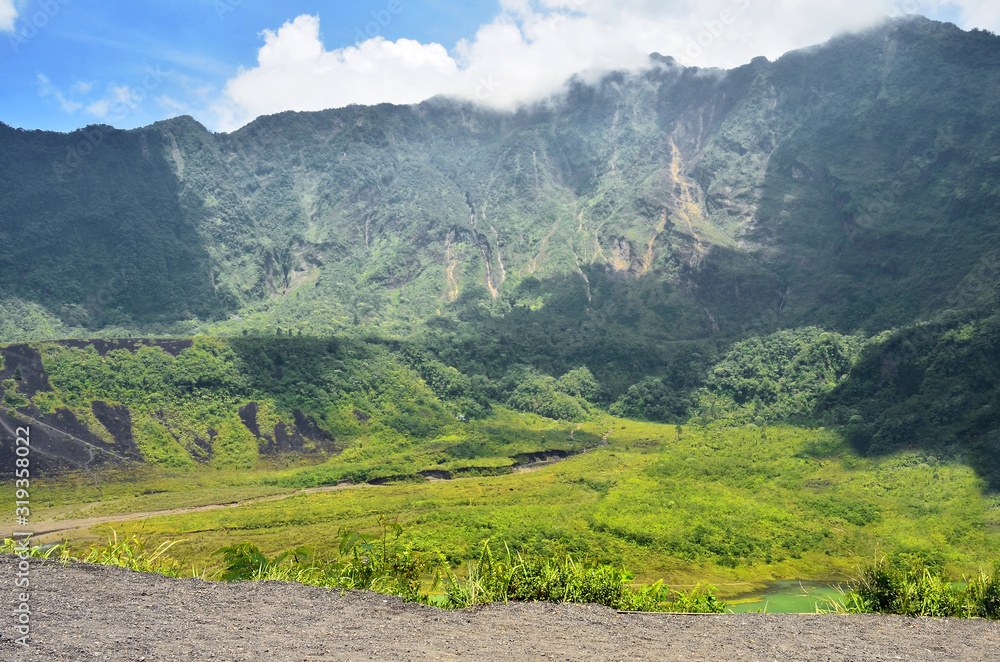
(295, 72)
(122, 95)
(118, 102)
(8, 14)
(983, 14)
(99, 108)
(47, 89)
(532, 47)
(171, 104)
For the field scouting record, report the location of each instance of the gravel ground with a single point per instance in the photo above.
(90, 612)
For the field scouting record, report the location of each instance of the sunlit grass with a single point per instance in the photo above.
(714, 505)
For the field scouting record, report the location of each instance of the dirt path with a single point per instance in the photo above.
(535, 466)
(51, 530)
(87, 612)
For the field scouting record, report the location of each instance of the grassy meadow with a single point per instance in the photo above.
(734, 507)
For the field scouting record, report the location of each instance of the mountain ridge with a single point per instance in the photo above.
(850, 186)
(810, 239)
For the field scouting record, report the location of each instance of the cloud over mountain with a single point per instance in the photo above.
(531, 47)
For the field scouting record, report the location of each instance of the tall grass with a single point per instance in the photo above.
(131, 553)
(11, 546)
(128, 553)
(514, 577)
(912, 587)
(245, 562)
(378, 563)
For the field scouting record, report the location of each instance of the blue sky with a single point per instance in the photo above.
(196, 44)
(68, 63)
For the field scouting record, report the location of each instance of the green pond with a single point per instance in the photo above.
(788, 597)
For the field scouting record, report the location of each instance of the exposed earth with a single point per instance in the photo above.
(91, 612)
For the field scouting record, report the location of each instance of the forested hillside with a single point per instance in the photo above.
(849, 186)
(811, 239)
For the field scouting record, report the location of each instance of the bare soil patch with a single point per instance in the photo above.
(54, 530)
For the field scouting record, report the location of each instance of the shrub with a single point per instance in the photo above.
(245, 562)
(132, 554)
(908, 586)
(514, 577)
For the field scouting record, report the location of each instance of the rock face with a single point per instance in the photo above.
(849, 185)
(302, 435)
(59, 440)
(101, 433)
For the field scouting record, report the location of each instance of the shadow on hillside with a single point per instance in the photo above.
(621, 326)
(933, 387)
(100, 237)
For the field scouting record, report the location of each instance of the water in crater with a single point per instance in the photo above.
(787, 597)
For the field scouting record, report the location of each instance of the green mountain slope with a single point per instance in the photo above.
(376, 409)
(851, 185)
(725, 247)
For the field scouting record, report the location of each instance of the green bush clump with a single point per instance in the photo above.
(378, 563)
(11, 396)
(777, 377)
(245, 562)
(131, 553)
(910, 586)
(514, 577)
(565, 398)
(653, 400)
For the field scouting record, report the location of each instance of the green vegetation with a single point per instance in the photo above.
(777, 377)
(728, 506)
(514, 577)
(908, 584)
(759, 343)
(390, 408)
(731, 498)
(381, 564)
(935, 386)
(564, 398)
(912, 585)
(723, 505)
(234, 403)
(130, 553)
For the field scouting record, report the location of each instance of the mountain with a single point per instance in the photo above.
(639, 226)
(852, 185)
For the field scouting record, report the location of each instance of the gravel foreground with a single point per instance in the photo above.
(92, 612)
